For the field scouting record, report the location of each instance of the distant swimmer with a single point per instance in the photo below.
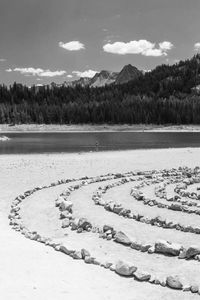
(97, 146)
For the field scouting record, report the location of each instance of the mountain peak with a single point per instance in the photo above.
(128, 73)
(103, 78)
(106, 77)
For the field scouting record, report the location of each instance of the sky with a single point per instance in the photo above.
(60, 40)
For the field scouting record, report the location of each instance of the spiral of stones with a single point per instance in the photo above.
(185, 175)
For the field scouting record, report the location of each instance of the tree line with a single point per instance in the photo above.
(162, 96)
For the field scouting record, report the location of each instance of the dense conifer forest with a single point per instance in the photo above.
(167, 94)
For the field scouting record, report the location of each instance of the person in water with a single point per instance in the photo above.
(97, 146)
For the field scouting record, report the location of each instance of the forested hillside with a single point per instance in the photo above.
(167, 94)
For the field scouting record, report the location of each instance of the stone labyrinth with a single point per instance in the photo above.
(144, 225)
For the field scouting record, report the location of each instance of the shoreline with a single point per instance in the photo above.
(43, 128)
(102, 152)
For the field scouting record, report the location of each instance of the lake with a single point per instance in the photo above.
(95, 141)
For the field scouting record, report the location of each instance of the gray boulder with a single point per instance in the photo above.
(174, 282)
(65, 250)
(107, 227)
(142, 276)
(182, 254)
(59, 201)
(66, 205)
(117, 209)
(89, 259)
(84, 253)
(124, 269)
(136, 245)
(65, 223)
(121, 238)
(84, 224)
(65, 214)
(176, 207)
(74, 224)
(192, 251)
(166, 247)
(194, 288)
(77, 255)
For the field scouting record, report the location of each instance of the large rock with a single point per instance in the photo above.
(194, 288)
(117, 209)
(84, 253)
(176, 207)
(174, 282)
(192, 251)
(84, 224)
(166, 247)
(74, 224)
(65, 250)
(66, 205)
(110, 205)
(182, 254)
(65, 214)
(59, 200)
(65, 223)
(124, 269)
(121, 238)
(107, 227)
(136, 245)
(77, 255)
(137, 194)
(89, 259)
(142, 276)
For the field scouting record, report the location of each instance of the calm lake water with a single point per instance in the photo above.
(93, 141)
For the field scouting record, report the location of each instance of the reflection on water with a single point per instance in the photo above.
(95, 141)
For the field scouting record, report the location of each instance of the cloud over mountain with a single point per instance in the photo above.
(142, 47)
(87, 73)
(37, 72)
(197, 46)
(72, 46)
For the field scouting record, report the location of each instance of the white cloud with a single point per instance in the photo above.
(197, 46)
(72, 46)
(153, 52)
(88, 73)
(48, 73)
(142, 47)
(37, 72)
(165, 46)
(69, 76)
(2, 59)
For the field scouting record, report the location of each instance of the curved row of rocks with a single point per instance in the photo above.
(183, 206)
(160, 246)
(121, 267)
(117, 208)
(160, 192)
(14, 215)
(108, 232)
(182, 191)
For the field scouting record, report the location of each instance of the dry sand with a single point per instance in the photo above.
(29, 270)
(96, 128)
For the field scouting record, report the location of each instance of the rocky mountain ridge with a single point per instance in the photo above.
(106, 77)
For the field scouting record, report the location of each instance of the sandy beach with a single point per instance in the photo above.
(98, 128)
(30, 270)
